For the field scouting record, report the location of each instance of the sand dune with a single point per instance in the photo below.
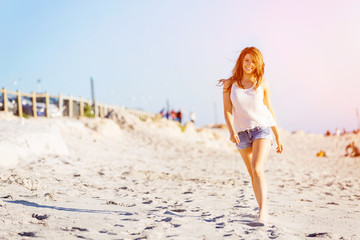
(123, 178)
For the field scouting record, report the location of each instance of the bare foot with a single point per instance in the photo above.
(263, 216)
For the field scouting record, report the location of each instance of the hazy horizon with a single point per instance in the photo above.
(141, 53)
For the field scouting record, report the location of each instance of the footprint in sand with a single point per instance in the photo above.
(40, 217)
(154, 210)
(161, 207)
(79, 229)
(273, 232)
(167, 219)
(239, 206)
(196, 210)
(8, 197)
(205, 214)
(27, 234)
(188, 192)
(209, 220)
(109, 233)
(227, 235)
(214, 219)
(324, 234)
(178, 210)
(220, 225)
(147, 202)
(172, 213)
(130, 219)
(171, 236)
(149, 228)
(242, 196)
(175, 225)
(254, 224)
(120, 204)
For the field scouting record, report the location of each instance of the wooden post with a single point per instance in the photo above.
(19, 102)
(106, 110)
(101, 111)
(81, 107)
(89, 103)
(47, 104)
(70, 106)
(61, 104)
(5, 100)
(34, 104)
(96, 109)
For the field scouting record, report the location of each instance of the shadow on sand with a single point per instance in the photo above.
(32, 204)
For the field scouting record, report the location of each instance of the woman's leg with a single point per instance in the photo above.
(261, 148)
(247, 155)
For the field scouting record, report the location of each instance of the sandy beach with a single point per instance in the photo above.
(124, 178)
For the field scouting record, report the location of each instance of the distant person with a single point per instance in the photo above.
(192, 116)
(179, 116)
(163, 113)
(109, 114)
(173, 114)
(354, 150)
(250, 118)
(321, 154)
(344, 131)
(328, 133)
(337, 132)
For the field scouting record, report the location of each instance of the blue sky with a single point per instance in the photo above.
(141, 53)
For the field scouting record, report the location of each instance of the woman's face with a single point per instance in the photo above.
(248, 64)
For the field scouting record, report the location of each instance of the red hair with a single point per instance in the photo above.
(238, 71)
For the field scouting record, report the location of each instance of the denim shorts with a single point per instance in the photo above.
(247, 137)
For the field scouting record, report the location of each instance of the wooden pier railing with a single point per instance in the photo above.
(65, 105)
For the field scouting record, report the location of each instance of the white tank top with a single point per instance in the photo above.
(248, 108)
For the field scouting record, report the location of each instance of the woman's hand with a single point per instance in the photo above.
(221, 82)
(234, 138)
(280, 147)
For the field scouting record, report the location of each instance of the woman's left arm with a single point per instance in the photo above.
(267, 102)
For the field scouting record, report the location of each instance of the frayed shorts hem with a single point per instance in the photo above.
(247, 137)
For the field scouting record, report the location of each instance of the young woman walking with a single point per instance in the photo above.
(250, 118)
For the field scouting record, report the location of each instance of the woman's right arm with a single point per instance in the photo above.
(228, 113)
